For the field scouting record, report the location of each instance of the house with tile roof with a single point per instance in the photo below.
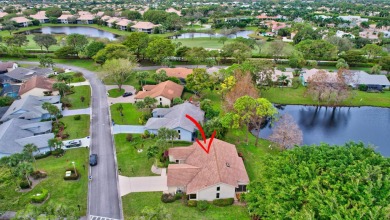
(64, 18)
(41, 17)
(218, 174)
(85, 18)
(16, 133)
(123, 23)
(175, 118)
(3, 14)
(178, 72)
(163, 92)
(30, 108)
(7, 67)
(37, 86)
(144, 26)
(21, 21)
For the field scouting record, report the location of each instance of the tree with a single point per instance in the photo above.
(131, 15)
(177, 101)
(10, 26)
(45, 61)
(227, 85)
(142, 76)
(54, 143)
(206, 106)
(62, 88)
(66, 52)
(23, 170)
(297, 61)
(376, 69)
(317, 49)
(276, 49)
(52, 110)
(212, 125)
(321, 182)
(155, 16)
(238, 50)
(15, 40)
(30, 149)
(77, 41)
(262, 71)
(306, 33)
(152, 152)
(167, 134)
(93, 48)
(243, 86)
(286, 133)
(342, 43)
(45, 40)
(146, 104)
(372, 50)
(66, 78)
(385, 63)
(53, 12)
(159, 49)
(222, 40)
(259, 44)
(160, 76)
(342, 64)
(196, 55)
(353, 56)
(198, 81)
(113, 51)
(118, 71)
(137, 42)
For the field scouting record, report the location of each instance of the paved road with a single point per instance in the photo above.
(104, 199)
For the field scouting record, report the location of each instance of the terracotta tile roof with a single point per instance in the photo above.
(123, 22)
(36, 82)
(86, 17)
(179, 72)
(65, 16)
(144, 25)
(20, 19)
(41, 15)
(221, 164)
(167, 89)
(2, 14)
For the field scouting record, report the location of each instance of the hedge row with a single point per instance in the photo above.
(39, 198)
(223, 202)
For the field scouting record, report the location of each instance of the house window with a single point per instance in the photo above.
(217, 196)
(241, 188)
(178, 131)
(179, 137)
(177, 161)
(160, 103)
(160, 99)
(192, 196)
(218, 188)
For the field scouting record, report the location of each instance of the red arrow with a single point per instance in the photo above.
(203, 134)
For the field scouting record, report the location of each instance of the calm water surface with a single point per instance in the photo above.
(370, 125)
(88, 31)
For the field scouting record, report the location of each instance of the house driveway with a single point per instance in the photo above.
(120, 99)
(85, 83)
(142, 184)
(85, 142)
(128, 129)
(84, 111)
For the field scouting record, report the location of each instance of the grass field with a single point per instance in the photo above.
(115, 93)
(130, 114)
(75, 98)
(297, 96)
(75, 77)
(76, 128)
(69, 193)
(134, 203)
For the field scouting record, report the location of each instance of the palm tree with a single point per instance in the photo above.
(64, 77)
(54, 143)
(24, 169)
(61, 87)
(283, 80)
(52, 109)
(30, 149)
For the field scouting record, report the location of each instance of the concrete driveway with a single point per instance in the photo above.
(85, 142)
(128, 129)
(120, 99)
(142, 184)
(84, 111)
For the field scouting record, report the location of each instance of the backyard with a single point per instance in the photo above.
(76, 128)
(75, 99)
(130, 113)
(69, 193)
(134, 203)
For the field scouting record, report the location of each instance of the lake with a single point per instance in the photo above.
(88, 31)
(370, 125)
(243, 34)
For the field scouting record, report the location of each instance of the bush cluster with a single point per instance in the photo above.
(167, 198)
(38, 174)
(202, 205)
(39, 198)
(223, 202)
(192, 203)
(129, 137)
(24, 184)
(58, 152)
(77, 117)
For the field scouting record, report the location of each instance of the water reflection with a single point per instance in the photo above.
(88, 31)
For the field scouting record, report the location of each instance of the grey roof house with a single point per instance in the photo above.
(30, 108)
(21, 74)
(16, 133)
(363, 78)
(175, 118)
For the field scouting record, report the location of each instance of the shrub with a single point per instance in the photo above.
(129, 137)
(73, 175)
(82, 98)
(223, 202)
(64, 136)
(77, 74)
(38, 174)
(147, 133)
(192, 203)
(24, 184)
(41, 156)
(167, 198)
(296, 83)
(57, 152)
(77, 117)
(178, 196)
(363, 87)
(202, 205)
(40, 197)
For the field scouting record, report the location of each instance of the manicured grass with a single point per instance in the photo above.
(205, 42)
(83, 63)
(130, 114)
(115, 93)
(68, 193)
(75, 98)
(130, 161)
(76, 78)
(76, 128)
(134, 203)
(297, 96)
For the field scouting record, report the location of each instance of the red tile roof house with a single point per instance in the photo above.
(64, 18)
(3, 14)
(41, 17)
(163, 92)
(37, 86)
(85, 19)
(178, 72)
(219, 174)
(21, 21)
(122, 24)
(143, 26)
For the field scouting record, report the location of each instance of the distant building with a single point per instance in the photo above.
(355, 19)
(172, 10)
(163, 92)
(178, 72)
(64, 18)
(374, 81)
(85, 19)
(21, 21)
(123, 23)
(41, 17)
(143, 26)
(20, 74)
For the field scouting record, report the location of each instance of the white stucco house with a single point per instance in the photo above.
(219, 174)
(163, 92)
(175, 118)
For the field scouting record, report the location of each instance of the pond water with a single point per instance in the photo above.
(243, 34)
(88, 31)
(370, 125)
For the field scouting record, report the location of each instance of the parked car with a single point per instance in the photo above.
(93, 158)
(73, 144)
(126, 94)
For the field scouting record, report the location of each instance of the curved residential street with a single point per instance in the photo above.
(103, 196)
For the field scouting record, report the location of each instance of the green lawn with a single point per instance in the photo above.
(75, 98)
(76, 128)
(135, 202)
(130, 114)
(115, 93)
(297, 96)
(69, 193)
(76, 77)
